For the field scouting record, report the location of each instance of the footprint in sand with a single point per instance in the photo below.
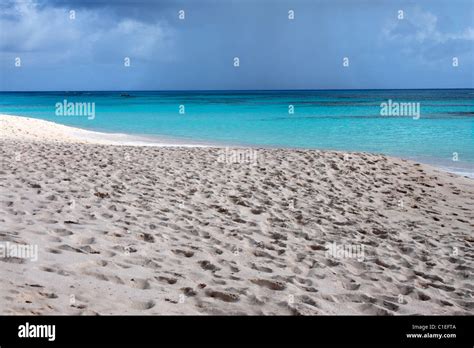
(63, 232)
(16, 260)
(270, 284)
(372, 309)
(170, 281)
(223, 296)
(207, 265)
(50, 295)
(53, 251)
(350, 284)
(66, 247)
(143, 305)
(186, 253)
(141, 284)
(147, 237)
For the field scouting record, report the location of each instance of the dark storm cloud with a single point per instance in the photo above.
(141, 10)
(197, 53)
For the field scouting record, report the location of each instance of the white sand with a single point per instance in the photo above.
(32, 129)
(158, 230)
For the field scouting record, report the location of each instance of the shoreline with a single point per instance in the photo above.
(35, 129)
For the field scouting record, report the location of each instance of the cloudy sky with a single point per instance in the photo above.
(86, 49)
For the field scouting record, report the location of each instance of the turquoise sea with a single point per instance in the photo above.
(334, 119)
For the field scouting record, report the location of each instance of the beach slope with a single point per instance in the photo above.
(173, 230)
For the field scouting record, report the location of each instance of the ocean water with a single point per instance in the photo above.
(339, 120)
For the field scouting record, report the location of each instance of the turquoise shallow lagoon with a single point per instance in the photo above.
(340, 120)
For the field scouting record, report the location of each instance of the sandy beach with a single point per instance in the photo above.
(33, 129)
(206, 230)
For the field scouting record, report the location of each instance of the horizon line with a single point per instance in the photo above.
(241, 90)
